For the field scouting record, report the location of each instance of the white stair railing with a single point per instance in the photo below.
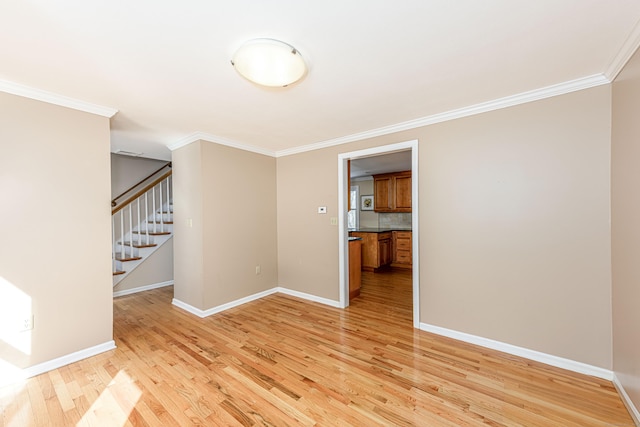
(135, 222)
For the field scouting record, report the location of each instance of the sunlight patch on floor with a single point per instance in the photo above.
(115, 403)
(19, 410)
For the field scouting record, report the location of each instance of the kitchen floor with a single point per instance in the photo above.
(391, 290)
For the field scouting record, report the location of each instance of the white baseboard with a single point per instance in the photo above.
(204, 313)
(633, 411)
(186, 307)
(142, 288)
(309, 297)
(537, 356)
(59, 362)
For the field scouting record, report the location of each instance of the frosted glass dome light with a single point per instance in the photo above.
(269, 62)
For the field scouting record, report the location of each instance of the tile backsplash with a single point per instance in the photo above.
(394, 220)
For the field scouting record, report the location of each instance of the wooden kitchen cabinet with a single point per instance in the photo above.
(384, 251)
(403, 192)
(392, 192)
(376, 249)
(355, 271)
(402, 249)
(382, 193)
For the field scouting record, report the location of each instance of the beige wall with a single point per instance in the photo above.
(307, 242)
(127, 171)
(157, 268)
(231, 196)
(515, 238)
(188, 227)
(55, 230)
(625, 210)
(514, 224)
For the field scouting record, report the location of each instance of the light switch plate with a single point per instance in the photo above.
(322, 210)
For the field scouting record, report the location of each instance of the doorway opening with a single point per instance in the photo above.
(343, 230)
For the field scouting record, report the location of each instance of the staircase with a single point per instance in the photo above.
(141, 222)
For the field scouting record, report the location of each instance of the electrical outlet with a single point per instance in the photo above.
(258, 270)
(26, 324)
(334, 220)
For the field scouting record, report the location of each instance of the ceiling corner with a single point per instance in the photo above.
(625, 53)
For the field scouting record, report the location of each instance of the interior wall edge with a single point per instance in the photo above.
(222, 307)
(626, 399)
(250, 298)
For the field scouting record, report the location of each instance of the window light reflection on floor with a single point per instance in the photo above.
(115, 403)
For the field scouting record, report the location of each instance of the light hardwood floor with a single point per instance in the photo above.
(284, 361)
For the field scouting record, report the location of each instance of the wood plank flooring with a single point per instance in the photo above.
(282, 361)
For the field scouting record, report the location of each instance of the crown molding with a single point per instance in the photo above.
(54, 98)
(509, 101)
(625, 53)
(203, 136)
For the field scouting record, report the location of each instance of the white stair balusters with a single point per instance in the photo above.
(161, 209)
(146, 215)
(153, 196)
(135, 218)
(122, 254)
(139, 231)
(169, 210)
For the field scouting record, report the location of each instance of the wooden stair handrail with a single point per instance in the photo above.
(141, 191)
(114, 203)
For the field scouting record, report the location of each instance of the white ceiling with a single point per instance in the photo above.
(165, 65)
(394, 162)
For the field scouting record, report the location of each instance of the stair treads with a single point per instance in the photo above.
(153, 233)
(138, 245)
(126, 258)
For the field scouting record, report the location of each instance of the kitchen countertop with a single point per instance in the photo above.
(379, 230)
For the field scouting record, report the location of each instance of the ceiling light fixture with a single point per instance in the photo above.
(127, 153)
(269, 62)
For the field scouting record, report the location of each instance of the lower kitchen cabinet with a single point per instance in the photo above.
(402, 249)
(376, 249)
(355, 272)
(384, 251)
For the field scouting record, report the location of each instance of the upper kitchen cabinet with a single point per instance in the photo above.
(392, 192)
